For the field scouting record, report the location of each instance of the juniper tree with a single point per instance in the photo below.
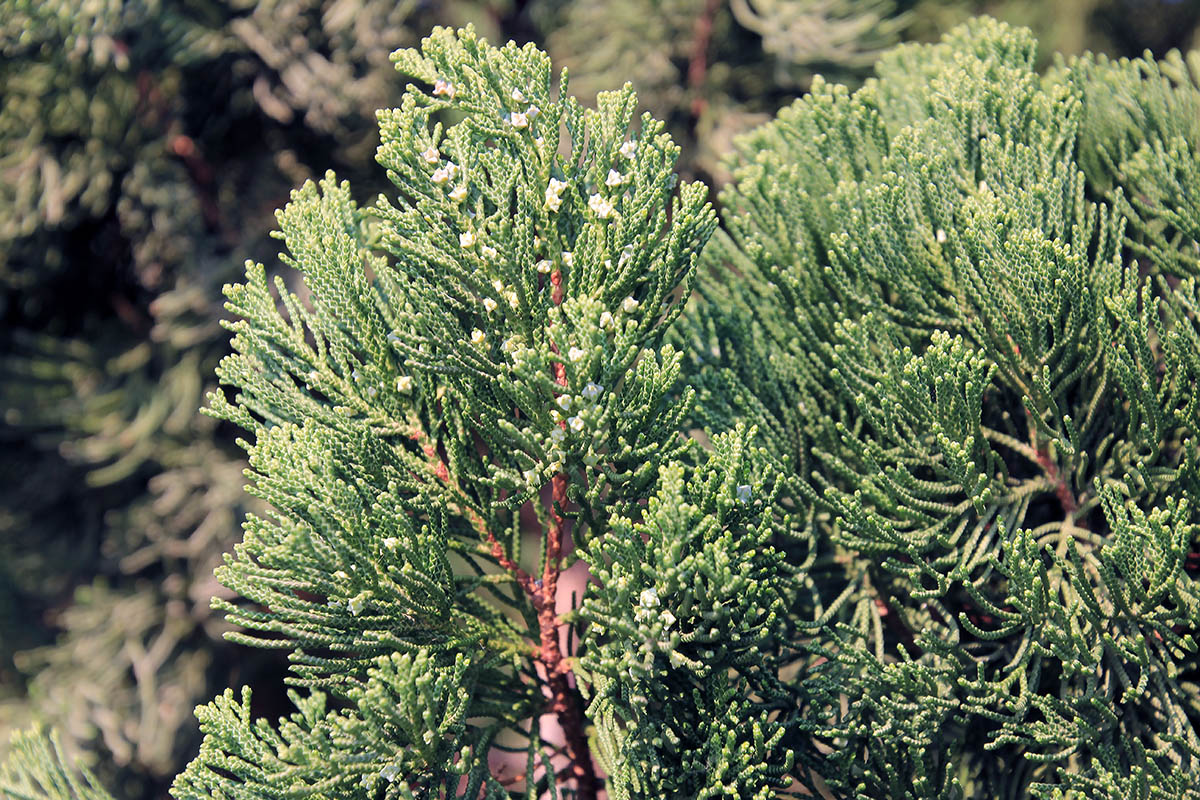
(930, 532)
(481, 353)
(143, 156)
(984, 377)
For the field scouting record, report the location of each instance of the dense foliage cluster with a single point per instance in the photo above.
(886, 491)
(965, 311)
(145, 146)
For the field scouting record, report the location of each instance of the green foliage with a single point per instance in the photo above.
(1140, 140)
(688, 598)
(136, 649)
(713, 69)
(991, 412)
(108, 335)
(145, 145)
(39, 772)
(405, 732)
(943, 541)
(107, 469)
(69, 144)
(492, 330)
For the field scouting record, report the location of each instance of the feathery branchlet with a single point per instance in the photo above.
(962, 307)
(903, 505)
(484, 347)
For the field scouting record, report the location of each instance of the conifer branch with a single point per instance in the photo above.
(940, 541)
(565, 700)
(918, 264)
(493, 328)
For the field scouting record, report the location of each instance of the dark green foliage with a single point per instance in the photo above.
(943, 542)
(687, 620)
(993, 416)
(39, 772)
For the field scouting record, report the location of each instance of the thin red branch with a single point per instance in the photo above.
(556, 294)
(698, 63)
(565, 701)
(1062, 490)
(438, 467)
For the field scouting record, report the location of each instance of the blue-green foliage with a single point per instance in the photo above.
(903, 506)
(685, 624)
(492, 330)
(937, 316)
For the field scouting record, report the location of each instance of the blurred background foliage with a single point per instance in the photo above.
(144, 146)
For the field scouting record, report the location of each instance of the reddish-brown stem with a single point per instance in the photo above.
(547, 616)
(698, 63)
(565, 702)
(1062, 490)
(438, 467)
(556, 294)
(567, 705)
